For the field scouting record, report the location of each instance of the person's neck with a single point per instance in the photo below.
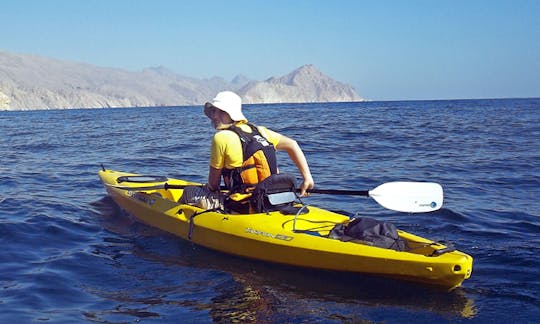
(223, 126)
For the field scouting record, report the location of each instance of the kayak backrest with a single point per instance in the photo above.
(277, 192)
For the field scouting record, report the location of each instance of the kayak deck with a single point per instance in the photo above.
(298, 240)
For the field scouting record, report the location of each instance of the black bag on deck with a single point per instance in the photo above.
(370, 231)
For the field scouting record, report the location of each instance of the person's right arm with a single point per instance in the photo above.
(297, 156)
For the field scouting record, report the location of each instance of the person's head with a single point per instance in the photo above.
(224, 109)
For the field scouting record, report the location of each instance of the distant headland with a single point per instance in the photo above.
(30, 82)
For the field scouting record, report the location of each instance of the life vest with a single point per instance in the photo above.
(259, 161)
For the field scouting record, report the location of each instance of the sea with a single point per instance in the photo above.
(69, 254)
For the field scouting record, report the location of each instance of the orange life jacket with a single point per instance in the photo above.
(259, 161)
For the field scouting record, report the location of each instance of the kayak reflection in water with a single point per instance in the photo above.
(244, 155)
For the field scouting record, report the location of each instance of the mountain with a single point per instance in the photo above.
(306, 84)
(35, 82)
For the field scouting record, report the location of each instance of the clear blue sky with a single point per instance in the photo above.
(387, 50)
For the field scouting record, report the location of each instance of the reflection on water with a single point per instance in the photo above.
(241, 301)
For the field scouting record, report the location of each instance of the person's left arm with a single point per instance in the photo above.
(214, 179)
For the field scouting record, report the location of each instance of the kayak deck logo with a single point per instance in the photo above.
(266, 234)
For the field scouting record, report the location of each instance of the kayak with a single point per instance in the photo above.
(302, 239)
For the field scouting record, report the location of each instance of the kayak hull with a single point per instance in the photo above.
(287, 239)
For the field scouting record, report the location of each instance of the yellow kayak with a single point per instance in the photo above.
(301, 239)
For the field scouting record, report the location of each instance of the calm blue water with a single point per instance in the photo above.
(70, 255)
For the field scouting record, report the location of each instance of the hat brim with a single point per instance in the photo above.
(235, 115)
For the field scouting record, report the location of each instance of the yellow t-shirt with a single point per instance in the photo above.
(226, 149)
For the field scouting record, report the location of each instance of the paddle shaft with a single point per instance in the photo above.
(365, 193)
(168, 186)
(340, 192)
(165, 186)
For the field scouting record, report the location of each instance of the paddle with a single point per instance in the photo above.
(408, 197)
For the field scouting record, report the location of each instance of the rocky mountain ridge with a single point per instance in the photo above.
(306, 84)
(35, 82)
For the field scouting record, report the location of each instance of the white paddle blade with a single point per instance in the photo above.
(409, 197)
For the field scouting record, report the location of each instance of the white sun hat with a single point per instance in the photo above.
(228, 102)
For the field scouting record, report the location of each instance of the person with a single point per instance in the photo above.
(242, 154)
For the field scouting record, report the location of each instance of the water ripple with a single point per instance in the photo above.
(70, 255)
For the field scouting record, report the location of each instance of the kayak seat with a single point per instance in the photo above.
(276, 193)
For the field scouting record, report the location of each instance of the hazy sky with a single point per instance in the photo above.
(387, 50)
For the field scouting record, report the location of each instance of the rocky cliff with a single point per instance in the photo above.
(306, 84)
(35, 82)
